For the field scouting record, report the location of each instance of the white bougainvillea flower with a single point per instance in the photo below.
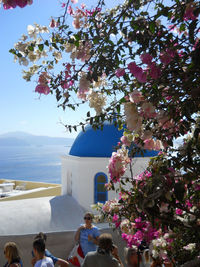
(32, 31)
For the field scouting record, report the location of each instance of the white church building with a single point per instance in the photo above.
(84, 170)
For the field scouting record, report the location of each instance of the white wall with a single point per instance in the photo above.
(82, 171)
(46, 214)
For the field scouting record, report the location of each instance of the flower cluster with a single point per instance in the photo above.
(42, 87)
(30, 50)
(117, 164)
(9, 4)
(159, 247)
(97, 101)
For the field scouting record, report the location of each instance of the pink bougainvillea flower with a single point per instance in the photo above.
(138, 72)
(117, 224)
(146, 135)
(53, 24)
(125, 140)
(165, 93)
(189, 13)
(179, 212)
(141, 76)
(188, 204)
(63, 5)
(154, 71)
(44, 78)
(23, 3)
(148, 110)
(74, 1)
(167, 56)
(133, 67)
(64, 85)
(149, 144)
(42, 89)
(82, 95)
(91, 12)
(8, 4)
(68, 66)
(67, 85)
(120, 72)
(115, 218)
(136, 97)
(70, 10)
(76, 23)
(127, 98)
(146, 58)
(117, 164)
(197, 187)
(158, 145)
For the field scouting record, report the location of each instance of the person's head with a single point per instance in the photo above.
(88, 217)
(41, 235)
(11, 251)
(39, 247)
(131, 256)
(105, 242)
(146, 255)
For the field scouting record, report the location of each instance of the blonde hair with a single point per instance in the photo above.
(11, 251)
(146, 255)
(129, 251)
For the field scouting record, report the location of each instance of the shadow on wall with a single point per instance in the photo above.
(59, 243)
(66, 213)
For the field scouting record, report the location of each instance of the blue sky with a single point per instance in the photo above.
(21, 109)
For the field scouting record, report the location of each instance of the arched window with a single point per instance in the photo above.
(100, 192)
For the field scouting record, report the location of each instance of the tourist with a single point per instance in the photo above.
(60, 262)
(132, 257)
(146, 258)
(39, 252)
(87, 235)
(11, 253)
(106, 254)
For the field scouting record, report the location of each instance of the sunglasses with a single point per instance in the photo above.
(87, 218)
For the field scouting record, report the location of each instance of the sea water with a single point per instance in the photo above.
(32, 163)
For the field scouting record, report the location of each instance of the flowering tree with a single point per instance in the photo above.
(140, 64)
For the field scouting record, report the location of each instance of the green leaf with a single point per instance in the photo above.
(152, 26)
(41, 47)
(182, 27)
(96, 40)
(31, 47)
(55, 46)
(12, 51)
(46, 43)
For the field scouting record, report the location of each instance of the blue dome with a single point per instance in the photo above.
(100, 143)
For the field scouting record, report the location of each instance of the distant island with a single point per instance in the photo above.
(26, 139)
